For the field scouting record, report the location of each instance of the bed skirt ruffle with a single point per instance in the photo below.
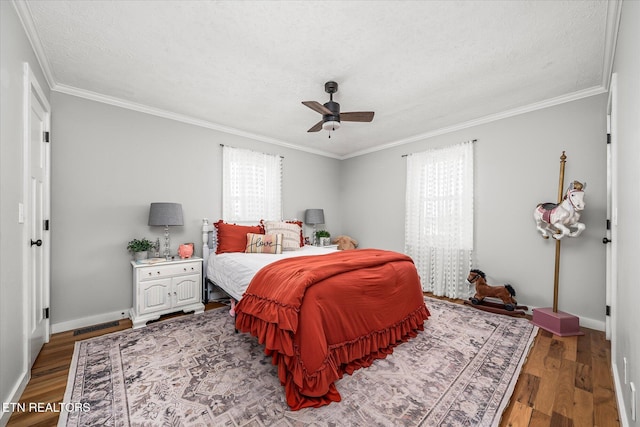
(314, 389)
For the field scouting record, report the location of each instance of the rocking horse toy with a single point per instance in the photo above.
(506, 293)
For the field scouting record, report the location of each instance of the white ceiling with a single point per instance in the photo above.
(424, 67)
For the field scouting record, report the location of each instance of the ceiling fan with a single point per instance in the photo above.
(331, 116)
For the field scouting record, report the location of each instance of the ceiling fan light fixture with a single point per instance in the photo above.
(331, 125)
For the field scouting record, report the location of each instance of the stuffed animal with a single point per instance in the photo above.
(345, 242)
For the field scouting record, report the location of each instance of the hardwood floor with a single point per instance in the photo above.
(566, 381)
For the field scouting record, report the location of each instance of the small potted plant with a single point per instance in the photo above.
(140, 248)
(323, 237)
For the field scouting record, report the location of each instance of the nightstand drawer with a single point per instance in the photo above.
(154, 272)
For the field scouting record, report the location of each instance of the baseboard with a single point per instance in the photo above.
(89, 321)
(587, 322)
(14, 396)
(622, 409)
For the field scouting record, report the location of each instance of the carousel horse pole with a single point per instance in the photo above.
(550, 319)
(556, 273)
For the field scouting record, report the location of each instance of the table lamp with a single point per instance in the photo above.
(165, 214)
(314, 217)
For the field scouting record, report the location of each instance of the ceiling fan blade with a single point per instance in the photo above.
(357, 116)
(317, 107)
(317, 127)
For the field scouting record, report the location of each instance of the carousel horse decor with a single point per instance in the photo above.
(506, 293)
(561, 219)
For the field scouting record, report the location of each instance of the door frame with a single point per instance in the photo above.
(612, 214)
(32, 88)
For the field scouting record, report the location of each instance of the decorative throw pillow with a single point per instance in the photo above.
(300, 225)
(264, 243)
(232, 237)
(291, 233)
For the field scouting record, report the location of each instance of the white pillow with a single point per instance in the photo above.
(290, 233)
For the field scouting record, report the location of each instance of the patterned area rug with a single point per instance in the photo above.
(194, 370)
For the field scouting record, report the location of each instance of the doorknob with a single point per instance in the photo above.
(606, 240)
(36, 242)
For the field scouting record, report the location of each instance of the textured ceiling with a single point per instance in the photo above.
(245, 66)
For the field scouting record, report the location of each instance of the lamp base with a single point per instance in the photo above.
(558, 323)
(167, 251)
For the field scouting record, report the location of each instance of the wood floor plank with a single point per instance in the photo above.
(564, 399)
(548, 386)
(605, 409)
(517, 414)
(556, 349)
(570, 345)
(583, 377)
(583, 408)
(526, 389)
(558, 420)
(537, 355)
(538, 419)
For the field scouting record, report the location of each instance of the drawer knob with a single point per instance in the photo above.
(149, 273)
(185, 269)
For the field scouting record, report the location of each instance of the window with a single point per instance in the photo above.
(439, 217)
(251, 185)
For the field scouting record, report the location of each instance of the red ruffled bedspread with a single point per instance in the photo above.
(325, 315)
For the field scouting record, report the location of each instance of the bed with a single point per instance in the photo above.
(321, 313)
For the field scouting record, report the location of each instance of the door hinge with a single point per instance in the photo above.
(45, 225)
(45, 136)
(608, 311)
(45, 313)
(608, 138)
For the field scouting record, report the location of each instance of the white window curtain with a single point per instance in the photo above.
(251, 185)
(439, 218)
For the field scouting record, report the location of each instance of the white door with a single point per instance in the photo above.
(610, 238)
(36, 199)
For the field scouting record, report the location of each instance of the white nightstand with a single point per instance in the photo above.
(166, 287)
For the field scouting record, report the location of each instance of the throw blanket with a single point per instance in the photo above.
(322, 316)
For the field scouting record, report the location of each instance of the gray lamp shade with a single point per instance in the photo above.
(164, 214)
(314, 216)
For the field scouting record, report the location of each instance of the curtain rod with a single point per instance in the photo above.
(472, 141)
(256, 151)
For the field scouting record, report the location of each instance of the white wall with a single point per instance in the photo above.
(110, 163)
(626, 338)
(15, 50)
(517, 164)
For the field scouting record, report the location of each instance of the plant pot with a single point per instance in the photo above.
(137, 256)
(325, 241)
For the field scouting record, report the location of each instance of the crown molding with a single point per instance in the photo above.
(24, 14)
(596, 90)
(614, 11)
(105, 99)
